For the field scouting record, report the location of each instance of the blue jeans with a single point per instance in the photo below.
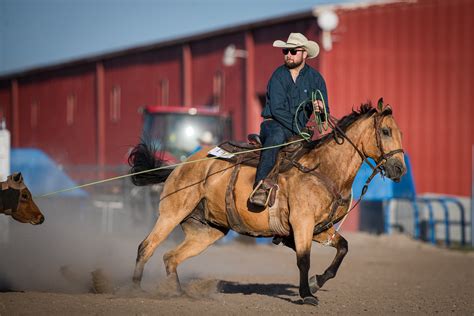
(271, 133)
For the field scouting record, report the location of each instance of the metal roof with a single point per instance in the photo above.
(196, 37)
(161, 44)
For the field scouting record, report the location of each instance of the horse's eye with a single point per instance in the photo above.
(386, 132)
(25, 196)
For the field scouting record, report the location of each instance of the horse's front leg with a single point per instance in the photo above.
(303, 234)
(338, 242)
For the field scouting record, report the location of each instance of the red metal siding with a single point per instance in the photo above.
(206, 63)
(67, 144)
(138, 78)
(5, 102)
(418, 56)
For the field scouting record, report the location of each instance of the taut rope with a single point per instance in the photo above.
(163, 167)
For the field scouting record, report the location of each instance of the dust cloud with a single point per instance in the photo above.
(89, 245)
(85, 245)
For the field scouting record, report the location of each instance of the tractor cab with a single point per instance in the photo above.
(176, 130)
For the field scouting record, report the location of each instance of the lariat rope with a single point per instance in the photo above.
(322, 125)
(305, 136)
(319, 122)
(164, 167)
(330, 121)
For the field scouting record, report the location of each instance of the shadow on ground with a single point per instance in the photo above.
(286, 292)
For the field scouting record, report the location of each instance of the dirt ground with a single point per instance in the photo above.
(380, 275)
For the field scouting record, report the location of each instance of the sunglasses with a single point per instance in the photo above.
(292, 51)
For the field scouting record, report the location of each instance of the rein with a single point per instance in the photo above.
(380, 162)
(378, 168)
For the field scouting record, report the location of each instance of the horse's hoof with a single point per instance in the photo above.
(310, 300)
(170, 287)
(130, 290)
(313, 284)
(137, 288)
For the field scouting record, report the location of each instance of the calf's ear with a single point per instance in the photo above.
(17, 177)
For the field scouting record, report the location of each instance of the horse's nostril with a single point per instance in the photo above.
(41, 220)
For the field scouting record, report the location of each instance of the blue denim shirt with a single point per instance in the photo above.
(284, 96)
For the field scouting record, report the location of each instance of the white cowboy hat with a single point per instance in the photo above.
(206, 138)
(299, 40)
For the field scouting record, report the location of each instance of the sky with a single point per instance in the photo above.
(36, 33)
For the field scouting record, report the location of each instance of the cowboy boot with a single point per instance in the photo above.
(261, 194)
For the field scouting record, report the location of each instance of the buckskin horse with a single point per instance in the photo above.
(312, 196)
(16, 201)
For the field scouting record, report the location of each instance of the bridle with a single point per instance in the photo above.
(340, 135)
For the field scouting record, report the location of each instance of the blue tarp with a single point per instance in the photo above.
(40, 173)
(383, 189)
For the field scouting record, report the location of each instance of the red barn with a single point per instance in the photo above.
(416, 54)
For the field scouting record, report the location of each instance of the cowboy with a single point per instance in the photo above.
(292, 86)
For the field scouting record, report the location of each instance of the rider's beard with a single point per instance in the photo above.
(292, 64)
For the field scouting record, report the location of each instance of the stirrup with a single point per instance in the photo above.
(267, 191)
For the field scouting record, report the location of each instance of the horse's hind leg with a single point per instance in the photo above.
(198, 236)
(338, 242)
(174, 208)
(162, 229)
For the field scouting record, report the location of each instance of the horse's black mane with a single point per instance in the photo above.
(365, 110)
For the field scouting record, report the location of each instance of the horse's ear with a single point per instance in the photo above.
(17, 177)
(380, 105)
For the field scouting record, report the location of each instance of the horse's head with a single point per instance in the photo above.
(18, 201)
(384, 143)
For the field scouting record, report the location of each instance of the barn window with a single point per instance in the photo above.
(218, 88)
(34, 114)
(70, 109)
(165, 89)
(115, 104)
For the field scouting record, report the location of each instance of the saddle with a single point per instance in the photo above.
(287, 158)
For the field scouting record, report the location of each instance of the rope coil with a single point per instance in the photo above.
(322, 125)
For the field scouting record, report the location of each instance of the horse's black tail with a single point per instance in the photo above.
(144, 157)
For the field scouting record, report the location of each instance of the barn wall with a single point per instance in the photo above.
(138, 80)
(43, 114)
(5, 102)
(418, 57)
(207, 66)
